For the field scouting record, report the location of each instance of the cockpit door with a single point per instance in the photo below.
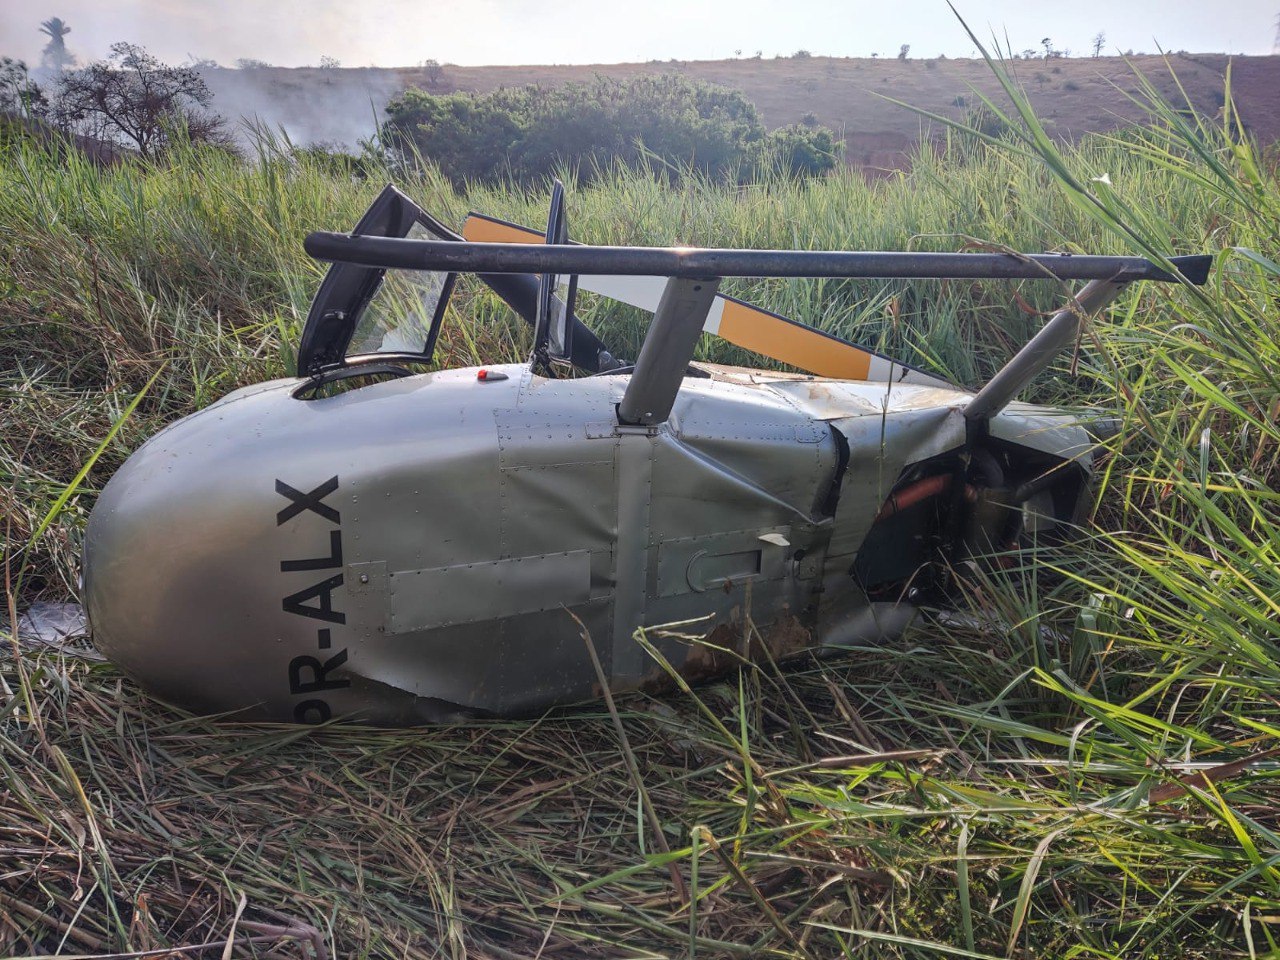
(367, 314)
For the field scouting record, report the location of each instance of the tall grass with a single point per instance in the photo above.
(109, 273)
(1085, 769)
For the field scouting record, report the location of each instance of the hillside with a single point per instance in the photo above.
(1072, 96)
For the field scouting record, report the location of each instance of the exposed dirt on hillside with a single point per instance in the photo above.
(1072, 96)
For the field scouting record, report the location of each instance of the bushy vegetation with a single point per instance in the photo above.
(1085, 768)
(131, 100)
(524, 134)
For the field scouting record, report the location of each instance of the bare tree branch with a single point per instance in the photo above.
(134, 99)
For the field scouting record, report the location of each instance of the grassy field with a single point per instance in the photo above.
(1090, 774)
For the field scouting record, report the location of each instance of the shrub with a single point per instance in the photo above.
(798, 150)
(529, 133)
(985, 121)
(470, 137)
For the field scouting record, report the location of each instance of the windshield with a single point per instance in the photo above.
(366, 314)
(403, 315)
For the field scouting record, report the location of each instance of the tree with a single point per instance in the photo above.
(903, 51)
(665, 122)
(1098, 42)
(434, 72)
(1053, 53)
(329, 63)
(134, 99)
(56, 57)
(19, 94)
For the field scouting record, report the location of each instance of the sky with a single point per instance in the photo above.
(472, 32)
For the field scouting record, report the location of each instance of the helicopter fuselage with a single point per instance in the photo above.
(436, 546)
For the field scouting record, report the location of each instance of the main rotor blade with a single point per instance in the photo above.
(732, 320)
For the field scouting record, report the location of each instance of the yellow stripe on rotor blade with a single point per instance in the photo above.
(739, 323)
(480, 229)
(642, 292)
(800, 346)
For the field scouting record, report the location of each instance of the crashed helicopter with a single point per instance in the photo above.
(369, 543)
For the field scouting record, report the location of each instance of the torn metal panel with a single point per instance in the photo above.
(880, 448)
(1061, 434)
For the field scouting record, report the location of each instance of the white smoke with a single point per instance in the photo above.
(338, 107)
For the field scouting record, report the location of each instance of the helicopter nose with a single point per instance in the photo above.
(123, 570)
(176, 570)
(135, 557)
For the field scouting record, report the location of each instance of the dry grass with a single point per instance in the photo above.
(821, 825)
(126, 826)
